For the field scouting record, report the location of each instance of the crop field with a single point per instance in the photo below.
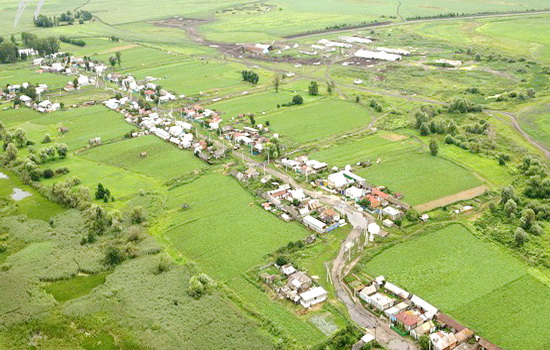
(224, 230)
(316, 121)
(27, 73)
(83, 124)
(164, 160)
(469, 279)
(403, 167)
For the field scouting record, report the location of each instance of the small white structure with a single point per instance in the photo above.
(396, 290)
(394, 51)
(358, 81)
(314, 224)
(429, 309)
(391, 213)
(377, 55)
(298, 194)
(452, 63)
(355, 39)
(424, 328)
(373, 228)
(288, 269)
(388, 223)
(354, 192)
(394, 310)
(313, 296)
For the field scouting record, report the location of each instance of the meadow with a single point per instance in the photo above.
(315, 121)
(534, 119)
(25, 72)
(404, 166)
(469, 279)
(163, 161)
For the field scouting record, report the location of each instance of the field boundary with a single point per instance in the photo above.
(457, 197)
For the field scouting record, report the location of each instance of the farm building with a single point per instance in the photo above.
(391, 213)
(381, 301)
(313, 296)
(394, 51)
(377, 55)
(354, 192)
(424, 328)
(315, 224)
(355, 39)
(288, 269)
(396, 290)
(443, 340)
(429, 309)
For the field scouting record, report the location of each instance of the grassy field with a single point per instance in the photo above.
(75, 287)
(25, 72)
(470, 279)
(163, 160)
(315, 121)
(403, 167)
(535, 120)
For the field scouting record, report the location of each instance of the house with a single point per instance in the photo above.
(424, 328)
(373, 228)
(366, 292)
(299, 281)
(409, 319)
(25, 99)
(374, 202)
(354, 192)
(381, 301)
(298, 195)
(251, 173)
(313, 296)
(379, 193)
(329, 215)
(443, 340)
(338, 180)
(391, 213)
(314, 224)
(388, 223)
(288, 269)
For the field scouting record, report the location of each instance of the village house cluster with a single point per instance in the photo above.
(30, 96)
(408, 314)
(295, 285)
(251, 139)
(151, 91)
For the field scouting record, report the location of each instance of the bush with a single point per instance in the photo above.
(297, 100)
(281, 260)
(48, 174)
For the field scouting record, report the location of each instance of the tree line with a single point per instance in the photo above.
(66, 18)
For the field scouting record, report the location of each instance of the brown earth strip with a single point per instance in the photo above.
(457, 197)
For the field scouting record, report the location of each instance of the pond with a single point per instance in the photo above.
(19, 194)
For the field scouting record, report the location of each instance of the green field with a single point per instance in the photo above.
(315, 121)
(164, 160)
(75, 287)
(474, 281)
(404, 167)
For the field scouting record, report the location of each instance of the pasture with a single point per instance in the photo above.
(25, 72)
(535, 119)
(404, 167)
(316, 121)
(163, 161)
(469, 279)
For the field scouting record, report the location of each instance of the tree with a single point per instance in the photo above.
(112, 61)
(297, 100)
(330, 87)
(508, 192)
(527, 219)
(137, 215)
(11, 153)
(434, 148)
(424, 342)
(520, 236)
(424, 129)
(510, 207)
(48, 174)
(61, 150)
(20, 137)
(114, 256)
(47, 139)
(118, 55)
(164, 264)
(313, 88)
(276, 82)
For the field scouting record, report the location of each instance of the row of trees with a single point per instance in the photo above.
(65, 18)
(76, 42)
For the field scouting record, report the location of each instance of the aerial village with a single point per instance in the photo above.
(407, 314)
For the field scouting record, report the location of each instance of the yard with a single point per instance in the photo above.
(469, 278)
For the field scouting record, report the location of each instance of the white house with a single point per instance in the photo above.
(288, 269)
(298, 194)
(315, 224)
(338, 180)
(428, 308)
(373, 228)
(394, 310)
(381, 301)
(391, 213)
(366, 292)
(396, 290)
(83, 80)
(25, 99)
(354, 192)
(313, 296)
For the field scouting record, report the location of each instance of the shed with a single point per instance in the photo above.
(424, 328)
(381, 301)
(366, 292)
(315, 224)
(313, 296)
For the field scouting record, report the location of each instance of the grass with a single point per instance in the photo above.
(404, 167)
(163, 161)
(75, 287)
(25, 72)
(315, 121)
(470, 279)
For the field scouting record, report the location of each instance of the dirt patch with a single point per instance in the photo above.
(118, 48)
(431, 7)
(394, 137)
(457, 197)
